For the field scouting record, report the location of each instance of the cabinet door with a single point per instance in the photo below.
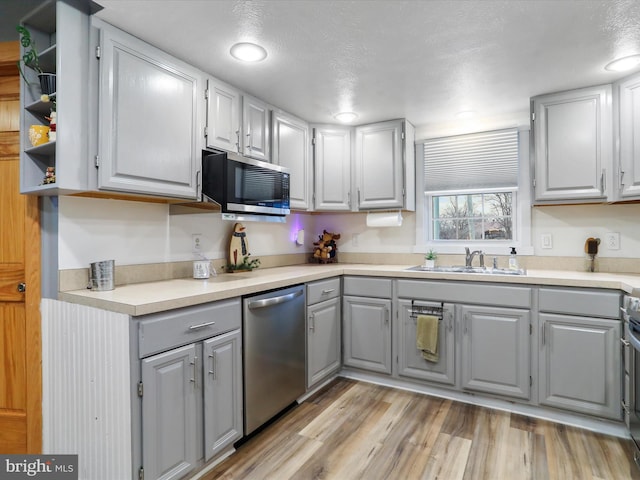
(411, 362)
(573, 150)
(222, 392)
(169, 405)
(379, 166)
(367, 333)
(628, 103)
(332, 150)
(580, 365)
(291, 149)
(149, 119)
(495, 350)
(223, 116)
(323, 340)
(257, 129)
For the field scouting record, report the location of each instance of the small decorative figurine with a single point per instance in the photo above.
(239, 255)
(49, 176)
(326, 249)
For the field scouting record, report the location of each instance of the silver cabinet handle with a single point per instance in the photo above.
(212, 356)
(194, 380)
(328, 291)
(202, 325)
(625, 343)
(543, 334)
(603, 177)
(267, 302)
(312, 322)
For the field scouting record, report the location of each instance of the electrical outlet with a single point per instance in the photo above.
(196, 242)
(546, 241)
(612, 240)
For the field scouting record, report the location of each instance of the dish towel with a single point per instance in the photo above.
(427, 336)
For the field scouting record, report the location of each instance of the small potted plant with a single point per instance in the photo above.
(430, 259)
(31, 60)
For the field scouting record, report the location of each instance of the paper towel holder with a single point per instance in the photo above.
(384, 219)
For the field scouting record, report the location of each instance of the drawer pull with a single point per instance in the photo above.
(328, 291)
(202, 325)
(624, 342)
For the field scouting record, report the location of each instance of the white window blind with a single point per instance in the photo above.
(473, 161)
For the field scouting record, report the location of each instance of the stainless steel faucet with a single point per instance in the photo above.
(469, 256)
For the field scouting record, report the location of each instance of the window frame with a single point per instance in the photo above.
(521, 220)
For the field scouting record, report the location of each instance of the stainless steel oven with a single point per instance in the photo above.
(631, 315)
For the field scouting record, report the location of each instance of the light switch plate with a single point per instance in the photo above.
(546, 240)
(612, 240)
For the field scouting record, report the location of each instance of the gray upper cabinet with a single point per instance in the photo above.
(627, 126)
(222, 362)
(573, 146)
(256, 129)
(150, 118)
(411, 363)
(291, 149)
(332, 163)
(496, 350)
(223, 116)
(385, 166)
(169, 418)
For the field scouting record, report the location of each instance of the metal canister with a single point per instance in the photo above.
(101, 275)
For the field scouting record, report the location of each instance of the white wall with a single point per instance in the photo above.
(137, 233)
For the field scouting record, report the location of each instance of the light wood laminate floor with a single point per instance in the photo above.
(354, 430)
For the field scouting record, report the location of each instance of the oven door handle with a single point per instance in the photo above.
(635, 341)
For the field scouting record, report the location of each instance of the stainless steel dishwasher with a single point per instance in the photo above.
(273, 353)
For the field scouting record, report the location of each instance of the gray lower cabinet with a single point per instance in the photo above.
(323, 340)
(367, 333)
(169, 413)
(411, 363)
(580, 364)
(496, 350)
(222, 383)
(190, 387)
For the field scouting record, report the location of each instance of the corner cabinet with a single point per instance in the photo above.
(58, 29)
(385, 165)
(366, 309)
(627, 126)
(332, 165)
(291, 149)
(150, 118)
(573, 146)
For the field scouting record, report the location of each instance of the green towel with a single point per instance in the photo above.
(427, 336)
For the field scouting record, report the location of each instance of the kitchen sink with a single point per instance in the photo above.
(463, 269)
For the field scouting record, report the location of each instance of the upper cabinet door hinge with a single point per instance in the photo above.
(97, 161)
(206, 94)
(533, 116)
(141, 473)
(140, 389)
(313, 141)
(98, 52)
(534, 183)
(402, 136)
(206, 132)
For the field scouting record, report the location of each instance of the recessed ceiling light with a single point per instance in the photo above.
(345, 117)
(624, 63)
(248, 52)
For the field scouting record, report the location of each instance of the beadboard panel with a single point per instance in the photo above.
(86, 403)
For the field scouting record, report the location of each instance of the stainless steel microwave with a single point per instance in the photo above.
(244, 185)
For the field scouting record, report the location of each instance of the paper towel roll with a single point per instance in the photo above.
(384, 219)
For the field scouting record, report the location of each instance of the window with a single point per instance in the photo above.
(472, 192)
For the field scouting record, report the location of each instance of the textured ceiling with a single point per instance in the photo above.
(423, 60)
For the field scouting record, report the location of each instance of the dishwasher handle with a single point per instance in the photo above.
(268, 302)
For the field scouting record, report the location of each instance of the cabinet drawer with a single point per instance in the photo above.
(161, 331)
(591, 303)
(367, 287)
(323, 290)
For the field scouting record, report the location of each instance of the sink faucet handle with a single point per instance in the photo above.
(481, 254)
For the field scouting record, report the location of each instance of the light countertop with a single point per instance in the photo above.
(151, 297)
